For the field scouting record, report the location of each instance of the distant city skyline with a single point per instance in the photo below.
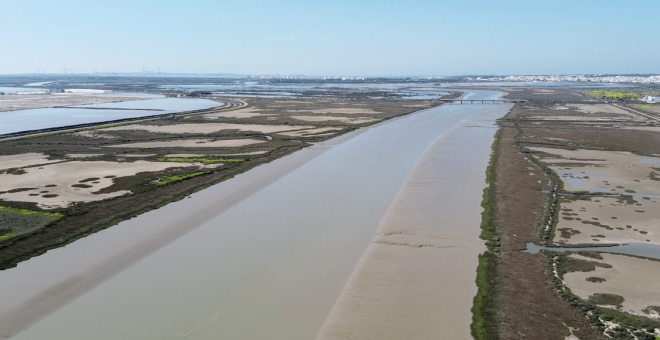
(351, 38)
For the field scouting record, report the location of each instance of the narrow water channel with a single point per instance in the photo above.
(269, 267)
(637, 249)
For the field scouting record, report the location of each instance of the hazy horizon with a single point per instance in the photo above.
(367, 38)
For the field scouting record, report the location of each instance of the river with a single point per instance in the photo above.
(262, 256)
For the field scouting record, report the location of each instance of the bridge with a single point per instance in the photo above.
(483, 101)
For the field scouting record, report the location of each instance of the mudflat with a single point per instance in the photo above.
(417, 279)
(634, 279)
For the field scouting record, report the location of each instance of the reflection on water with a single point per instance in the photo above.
(638, 249)
(25, 120)
(19, 90)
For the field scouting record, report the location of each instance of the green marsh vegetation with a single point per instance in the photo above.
(481, 304)
(173, 179)
(20, 221)
(25, 212)
(612, 95)
(8, 236)
(199, 160)
(647, 107)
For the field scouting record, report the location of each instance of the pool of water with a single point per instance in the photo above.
(137, 95)
(20, 90)
(638, 249)
(36, 119)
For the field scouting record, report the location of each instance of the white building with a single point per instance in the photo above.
(651, 100)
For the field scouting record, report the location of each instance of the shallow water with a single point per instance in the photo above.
(639, 249)
(269, 267)
(25, 120)
(125, 94)
(19, 89)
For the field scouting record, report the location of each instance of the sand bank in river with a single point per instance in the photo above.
(417, 279)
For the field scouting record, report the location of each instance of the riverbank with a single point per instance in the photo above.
(548, 192)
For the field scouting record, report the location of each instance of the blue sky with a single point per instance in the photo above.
(367, 38)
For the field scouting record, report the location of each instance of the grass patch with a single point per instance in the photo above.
(199, 160)
(616, 95)
(487, 228)
(648, 107)
(486, 225)
(25, 212)
(8, 236)
(482, 324)
(478, 325)
(172, 179)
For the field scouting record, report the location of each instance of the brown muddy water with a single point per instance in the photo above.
(267, 262)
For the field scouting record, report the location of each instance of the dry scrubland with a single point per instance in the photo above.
(571, 174)
(56, 188)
